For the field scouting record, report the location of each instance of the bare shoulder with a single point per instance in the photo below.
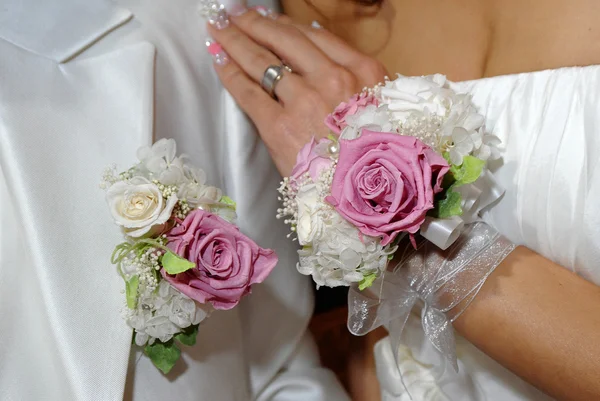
(541, 34)
(412, 37)
(464, 39)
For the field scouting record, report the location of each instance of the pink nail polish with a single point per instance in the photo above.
(219, 55)
(237, 9)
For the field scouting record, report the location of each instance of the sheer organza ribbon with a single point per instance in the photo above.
(444, 281)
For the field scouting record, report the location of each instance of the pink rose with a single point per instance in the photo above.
(227, 262)
(312, 159)
(336, 121)
(385, 183)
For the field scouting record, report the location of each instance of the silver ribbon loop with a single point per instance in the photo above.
(442, 232)
(438, 329)
(475, 197)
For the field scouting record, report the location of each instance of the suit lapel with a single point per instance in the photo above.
(60, 126)
(58, 30)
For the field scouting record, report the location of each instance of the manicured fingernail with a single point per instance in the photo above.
(237, 9)
(216, 51)
(316, 25)
(219, 19)
(265, 12)
(215, 13)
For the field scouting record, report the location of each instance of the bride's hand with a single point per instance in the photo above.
(326, 71)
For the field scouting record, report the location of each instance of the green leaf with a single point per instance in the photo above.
(468, 172)
(446, 156)
(174, 264)
(188, 336)
(226, 200)
(450, 205)
(332, 138)
(131, 289)
(367, 281)
(163, 355)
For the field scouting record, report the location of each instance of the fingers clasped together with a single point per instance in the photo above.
(287, 77)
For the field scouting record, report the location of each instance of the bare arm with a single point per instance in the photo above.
(542, 322)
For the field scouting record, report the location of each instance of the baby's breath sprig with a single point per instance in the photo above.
(109, 176)
(376, 90)
(182, 209)
(425, 127)
(166, 190)
(127, 175)
(326, 179)
(289, 211)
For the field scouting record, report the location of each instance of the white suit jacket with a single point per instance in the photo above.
(83, 84)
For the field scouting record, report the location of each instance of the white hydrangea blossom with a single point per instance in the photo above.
(162, 314)
(460, 143)
(342, 255)
(489, 148)
(194, 189)
(159, 162)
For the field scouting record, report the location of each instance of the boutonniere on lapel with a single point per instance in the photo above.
(183, 257)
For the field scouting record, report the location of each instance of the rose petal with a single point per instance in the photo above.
(384, 183)
(227, 262)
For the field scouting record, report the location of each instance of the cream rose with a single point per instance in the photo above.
(138, 206)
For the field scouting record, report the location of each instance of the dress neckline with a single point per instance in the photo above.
(538, 72)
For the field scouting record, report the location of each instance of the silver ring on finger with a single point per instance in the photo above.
(271, 78)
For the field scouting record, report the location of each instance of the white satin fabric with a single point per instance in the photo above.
(549, 123)
(83, 84)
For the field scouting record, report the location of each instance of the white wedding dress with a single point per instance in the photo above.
(83, 84)
(549, 123)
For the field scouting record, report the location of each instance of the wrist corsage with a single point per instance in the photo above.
(406, 157)
(183, 256)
